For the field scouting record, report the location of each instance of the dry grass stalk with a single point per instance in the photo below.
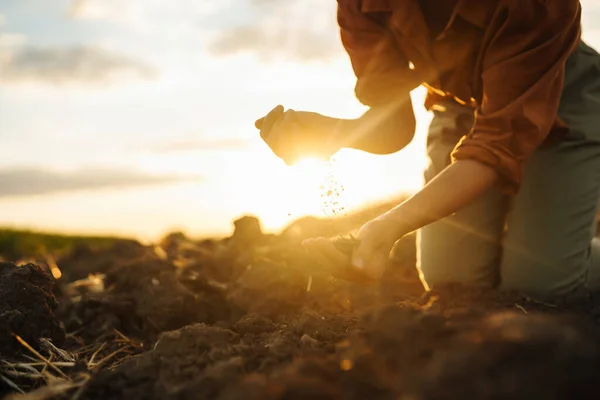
(64, 355)
(91, 360)
(107, 358)
(520, 307)
(11, 384)
(125, 339)
(41, 357)
(61, 364)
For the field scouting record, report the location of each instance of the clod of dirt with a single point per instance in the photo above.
(247, 232)
(27, 307)
(269, 289)
(96, 315)
(161, 300)
(183, 364)
(171, 243)
(308, 342)
(255, 324)
(84, 260)
(142, 299)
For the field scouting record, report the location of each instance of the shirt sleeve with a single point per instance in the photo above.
(522, 80)
(381, 69)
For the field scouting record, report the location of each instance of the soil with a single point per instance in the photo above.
(27, 307)
(252, 317)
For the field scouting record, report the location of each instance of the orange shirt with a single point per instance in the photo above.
(506, 58)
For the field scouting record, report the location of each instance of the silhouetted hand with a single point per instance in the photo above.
(368, 260)
(292, 135)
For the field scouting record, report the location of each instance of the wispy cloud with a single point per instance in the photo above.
(62, 65)
(281, 29)
(161, 17)
(300, 45)
(201, 144)
(33, 181)
(112, 10)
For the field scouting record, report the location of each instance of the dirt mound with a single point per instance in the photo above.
(400, 353)
(252, 317)
(201, 361)
(84, 260)
(510, 355)
(142, 299)
(269, 289)
(26, 308)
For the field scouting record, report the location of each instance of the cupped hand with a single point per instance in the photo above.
(376, 237)
(292, 134)
(368, 260)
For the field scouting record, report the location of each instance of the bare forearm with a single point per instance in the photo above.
(384, 129)
(455, 187)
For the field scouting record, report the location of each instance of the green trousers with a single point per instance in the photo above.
(542, 240)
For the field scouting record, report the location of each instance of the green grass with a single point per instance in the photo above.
(15, 244)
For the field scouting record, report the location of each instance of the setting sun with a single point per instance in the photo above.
(219, 185)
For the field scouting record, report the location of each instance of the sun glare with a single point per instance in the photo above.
(254, 181)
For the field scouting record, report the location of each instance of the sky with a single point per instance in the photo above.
(135, 117)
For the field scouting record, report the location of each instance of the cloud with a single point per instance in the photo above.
(146, 16)
(203, 145)
(8, 40)
(61, 65)
(299, 30)
(111, 10)
(34, 181)
(300, 45)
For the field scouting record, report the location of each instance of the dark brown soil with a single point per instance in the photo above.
(252, 317)
(26, 308)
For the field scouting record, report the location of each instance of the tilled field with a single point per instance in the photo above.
(251, 317)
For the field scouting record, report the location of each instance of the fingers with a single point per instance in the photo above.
(259, 122)
(266, 123)
(283, 136)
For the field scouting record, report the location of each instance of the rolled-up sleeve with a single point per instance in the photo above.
(522, 79)
(381, 69)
